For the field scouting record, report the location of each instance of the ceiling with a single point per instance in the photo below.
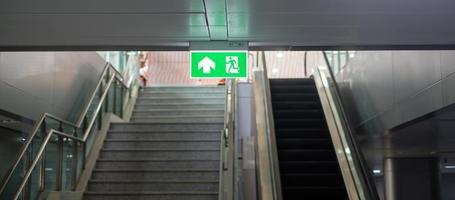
(114, 24)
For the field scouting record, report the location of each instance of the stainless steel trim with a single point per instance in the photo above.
(269, 182)
(333, 122)
(98, 108)
(227, 145)
(359, 161)
(348, 156)
(98, 85)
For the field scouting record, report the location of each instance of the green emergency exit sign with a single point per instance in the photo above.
(219, 64)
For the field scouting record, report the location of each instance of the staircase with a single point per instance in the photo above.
(308, 165)
(169, 151)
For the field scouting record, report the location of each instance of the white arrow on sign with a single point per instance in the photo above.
(206, 64)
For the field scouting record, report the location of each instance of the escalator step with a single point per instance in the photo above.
(300, 123)
(309, 166)
(295, 96)
(298, 113)
(290, 81)
(293, 88)
(315, 193)
(305, 154)
(304, 143)
(296, 105)
(302, 133)
(311, 179)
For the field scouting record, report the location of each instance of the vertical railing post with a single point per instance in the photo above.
(27, 162)
(114, 109)
(100, 113)
(106, 88)
(122, 99)
(59, 167)
(75, 159)
(84, 145)
(42, 172)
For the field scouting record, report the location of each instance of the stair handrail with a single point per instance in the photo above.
(81, 120)
(358, 179)
(227, 146)
(269, 183)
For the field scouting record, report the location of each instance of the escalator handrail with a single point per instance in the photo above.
(77, 125)
(263, 99)
(359, 159)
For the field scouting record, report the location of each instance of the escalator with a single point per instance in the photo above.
(308, 165)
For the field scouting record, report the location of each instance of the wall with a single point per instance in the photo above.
(384, 92)
(386, 88)
(56, 82)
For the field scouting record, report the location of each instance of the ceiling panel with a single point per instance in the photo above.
(342, 36)
(289, 22)
(329, 6)
(55, 29)
(101, 6)
(339, 19)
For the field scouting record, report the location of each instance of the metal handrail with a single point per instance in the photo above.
(227, 145)
(52, 131)
(369, 192)
(106, 69)
(268, 160)
(77, 125)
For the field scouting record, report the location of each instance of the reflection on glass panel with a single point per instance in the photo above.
(51, 158)
(68, 161)
(14, 182)
(338, 59)
(343, 59)
(34, 182)
(116, 58)
(79, 154)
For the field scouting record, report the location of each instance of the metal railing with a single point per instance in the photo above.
(227, 146)
(33, 170)
(359, 183)
(269, 184)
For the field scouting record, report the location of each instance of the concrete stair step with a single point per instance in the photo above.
(173, 112)
(185, 89)
(163, 135)
(169, 151)
(180, 195)
(149, 174)
(146, 100)
(153, 185)
(155, 164)
(182, 94)
(181, 119)
(143, 126)
(162, 144)
(175, 154)
(200, 105)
